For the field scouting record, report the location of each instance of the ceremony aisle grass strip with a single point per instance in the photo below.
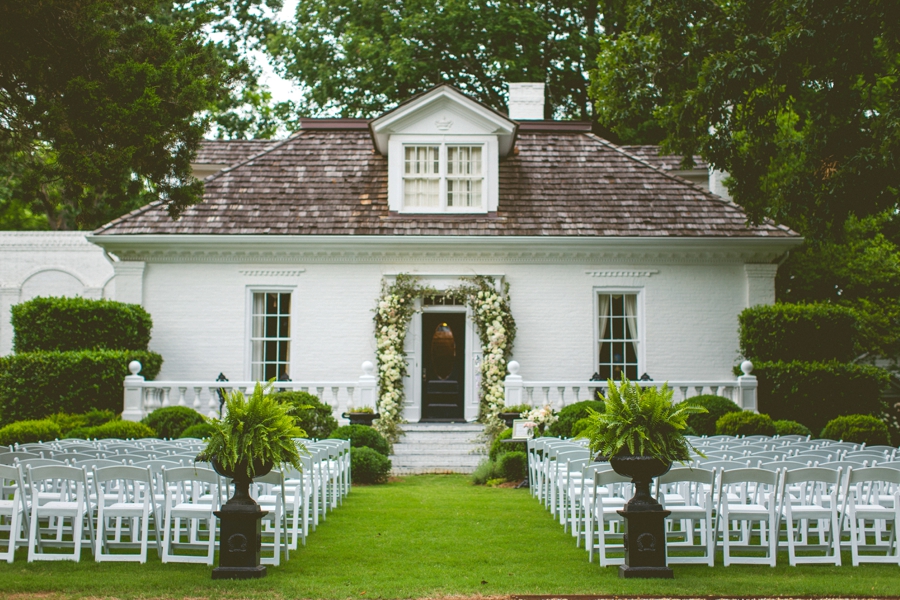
(437, 535)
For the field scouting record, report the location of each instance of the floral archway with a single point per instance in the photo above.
(496, 331)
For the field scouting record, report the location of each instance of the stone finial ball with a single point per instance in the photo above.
(747, 367)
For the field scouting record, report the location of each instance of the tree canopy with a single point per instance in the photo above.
(360, 57)
(103, 102)
(799, 100)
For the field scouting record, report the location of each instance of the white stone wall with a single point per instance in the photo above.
(688, 315)
(48, 263)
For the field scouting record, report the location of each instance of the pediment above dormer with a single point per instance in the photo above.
(443, 112)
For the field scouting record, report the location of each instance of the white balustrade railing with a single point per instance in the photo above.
(741, 390)
(143, 397)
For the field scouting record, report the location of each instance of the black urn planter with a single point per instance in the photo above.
(509, 417)
(645, 519)
(361, 418)
(240, 526)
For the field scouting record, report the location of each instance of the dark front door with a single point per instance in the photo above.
(443, 366)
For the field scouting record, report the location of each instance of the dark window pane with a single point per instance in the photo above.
(283, 351)
(605, 353)
(284, 329)
(271, 327)
(631, 372)
(271, 347)
(285, 304)
(618, 328)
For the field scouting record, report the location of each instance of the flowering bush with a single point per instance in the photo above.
(542, 415)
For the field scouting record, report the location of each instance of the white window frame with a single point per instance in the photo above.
(641, 323)
(248, 325)
(489, 172)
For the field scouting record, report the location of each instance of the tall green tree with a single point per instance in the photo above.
(799, 100)
(360, 57)
(103, 102)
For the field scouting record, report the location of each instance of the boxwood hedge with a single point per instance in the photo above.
(66, 324)
(807, 332)
(36, 385)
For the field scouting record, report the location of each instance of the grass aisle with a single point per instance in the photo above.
(430, 536)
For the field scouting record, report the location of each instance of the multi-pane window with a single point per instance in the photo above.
(442, 177)
(618, 339)
(270, 338)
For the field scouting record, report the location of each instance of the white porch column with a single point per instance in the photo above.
(760, 283)
(9, 296)
(512, 385)
(129, 281)
(747, 386)
(368, 386)
(133, 408)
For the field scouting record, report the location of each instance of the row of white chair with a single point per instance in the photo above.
(114, 508)
(742, 509)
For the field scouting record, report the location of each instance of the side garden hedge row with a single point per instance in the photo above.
(814, 393)
(64, 324)
(807, 332)
(36, 385)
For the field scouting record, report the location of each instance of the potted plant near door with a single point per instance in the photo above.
(256, 434)
(361, 416)
(642, 434)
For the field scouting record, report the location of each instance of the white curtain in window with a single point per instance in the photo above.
(604, 317)
(631, 319)
(257, 324)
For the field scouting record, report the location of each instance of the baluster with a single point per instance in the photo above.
(147, 401)
(212, 407)
(546, 395)
(197, 398)
(714, 390)
(575, 390)
(684, 392)
(350, 401)
(165, 397)
(320, 392)
(699, 390)
(562, 396)
(181, 399)
(335, 401)
(530, 391)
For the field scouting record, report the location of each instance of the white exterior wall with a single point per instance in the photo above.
(48, 263)
(688, 308)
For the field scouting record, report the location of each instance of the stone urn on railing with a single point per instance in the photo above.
(255, 434)
(641, 432)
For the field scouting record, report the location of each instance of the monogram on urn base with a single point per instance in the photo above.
(240, 522)
(645, 519)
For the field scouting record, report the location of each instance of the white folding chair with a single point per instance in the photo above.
(270, 494)
(605, 524)
(192, 494)
(13, 510)
(299, 495)
(125, 505)
(873, 496)
(810, 496)
(748, 500)
(688, 494)
(66, 497)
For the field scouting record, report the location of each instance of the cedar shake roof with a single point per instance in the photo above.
(331, 181)
(229, 152)
(666, 162)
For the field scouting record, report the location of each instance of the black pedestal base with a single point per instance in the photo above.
(626, 572)
(239, 572)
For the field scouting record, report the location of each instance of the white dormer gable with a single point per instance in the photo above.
(443, 150)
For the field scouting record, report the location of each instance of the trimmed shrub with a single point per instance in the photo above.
(519, 408)
(485, 471)
(785, 427)
(170, 421)
(122, 430)
(199, 431)
(28, 432)
(316, 420)
(95, 417)
(499, 448)
(745, 423)
(858, 429)
(513, 466)
(580, 425)
(815, 393)
(570, 415)
(361, 436)
(36, 385)
(67, 422)
(716, 406)
(368, 465)
(807, 332)
(66, 324)
(79, 433)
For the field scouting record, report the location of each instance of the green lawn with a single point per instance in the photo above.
(432, 536)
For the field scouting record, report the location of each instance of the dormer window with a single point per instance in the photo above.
(443, 177)
(443, 151)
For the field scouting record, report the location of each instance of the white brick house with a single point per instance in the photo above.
(613, 264)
